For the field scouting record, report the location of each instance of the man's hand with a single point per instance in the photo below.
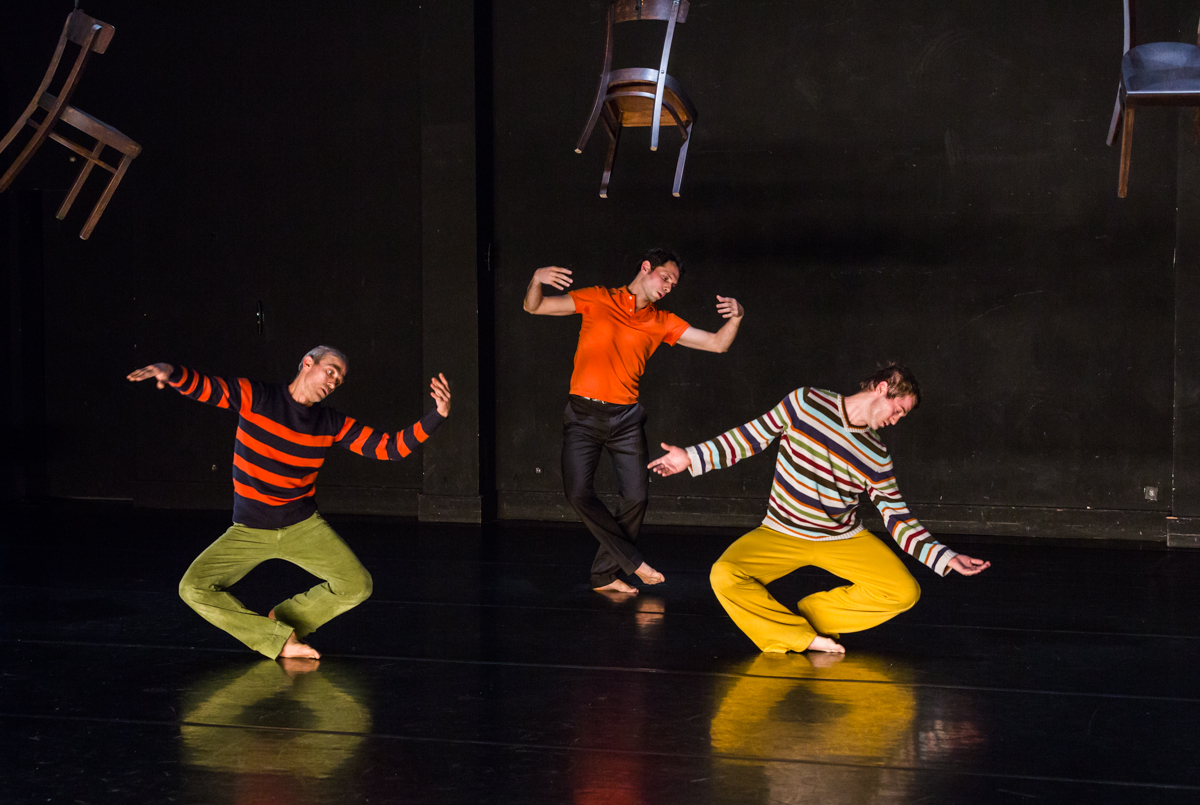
(440, 393)
(728, 307)
(538, 304)
(676, 460)
(553, 275)
(968, 566)
(159, 371)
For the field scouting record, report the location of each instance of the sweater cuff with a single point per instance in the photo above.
(178, 373)
(942, 565)
(697, 466)
(430, 422)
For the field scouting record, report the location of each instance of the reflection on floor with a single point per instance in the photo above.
(485, 670)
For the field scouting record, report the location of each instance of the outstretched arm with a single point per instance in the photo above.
(374, 443)
(215, 391)
(540, 305)
(721, 340)
(909, 534)
(725, 450)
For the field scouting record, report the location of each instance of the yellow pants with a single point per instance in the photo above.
(881, 587)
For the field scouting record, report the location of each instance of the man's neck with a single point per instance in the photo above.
(856, 408)
(640, 298)
(294, 391)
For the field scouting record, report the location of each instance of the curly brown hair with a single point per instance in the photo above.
(900, 380)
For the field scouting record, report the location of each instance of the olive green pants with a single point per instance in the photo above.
(312, 545)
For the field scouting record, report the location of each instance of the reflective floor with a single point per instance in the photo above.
(484, 670)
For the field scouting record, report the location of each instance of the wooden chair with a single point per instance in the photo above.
(639, 97)
(90, 35)
(1153, 74)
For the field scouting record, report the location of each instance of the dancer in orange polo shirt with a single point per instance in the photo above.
(621, 329)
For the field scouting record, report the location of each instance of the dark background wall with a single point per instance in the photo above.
(921, 181)
(926, 182)
(281, 167)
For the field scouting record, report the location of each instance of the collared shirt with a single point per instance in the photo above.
(615, 341)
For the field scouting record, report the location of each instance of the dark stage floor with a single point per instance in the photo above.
(484, 670)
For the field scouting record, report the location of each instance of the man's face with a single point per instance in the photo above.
(320, 379)
(887, 410)
(661, 280)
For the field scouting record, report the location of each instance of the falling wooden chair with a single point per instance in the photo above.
(91, 35)
(640, 97)
(1153, 74)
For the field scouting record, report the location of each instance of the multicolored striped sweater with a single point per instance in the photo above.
(824, 464)
(281, 444)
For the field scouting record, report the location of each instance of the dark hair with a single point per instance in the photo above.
(900, 380)
(660, 257)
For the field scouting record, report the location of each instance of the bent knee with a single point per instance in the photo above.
(904, 594)
(579, 496)
(358, 588)
(725, 575)
(188, 590)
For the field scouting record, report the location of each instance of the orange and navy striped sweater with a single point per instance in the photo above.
(824, 464)
(281, 444)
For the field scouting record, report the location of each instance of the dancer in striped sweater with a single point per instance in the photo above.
(283, 433)
(829, 453)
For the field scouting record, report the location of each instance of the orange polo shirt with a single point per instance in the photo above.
(615, 341)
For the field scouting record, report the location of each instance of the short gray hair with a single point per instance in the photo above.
(317, 353)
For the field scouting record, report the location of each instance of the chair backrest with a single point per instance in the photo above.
(1131, 27)
(79, 25)
(81, 30)
(630, 10)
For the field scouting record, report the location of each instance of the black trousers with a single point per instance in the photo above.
(590, 427)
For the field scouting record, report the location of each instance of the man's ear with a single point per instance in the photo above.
(646, 267)
(881, 388)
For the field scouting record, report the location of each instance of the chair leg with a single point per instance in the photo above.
(683, 149)
(1126, 152)
(654, 125)
(591, 124)
(84, 172)
(98, 210)
(1116, 118)
(17, 127)
(31, 147)
(614, 132)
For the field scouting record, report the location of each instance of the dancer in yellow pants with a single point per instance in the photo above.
(829, 453)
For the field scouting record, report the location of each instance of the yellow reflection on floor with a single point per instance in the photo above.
(829, 709)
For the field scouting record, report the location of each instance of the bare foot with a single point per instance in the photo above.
(295, 666)
(825, 660)
(294, 648)
(616, 586)
(649, 575)
(825, 644)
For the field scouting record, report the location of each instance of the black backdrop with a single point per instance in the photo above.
(924, 181)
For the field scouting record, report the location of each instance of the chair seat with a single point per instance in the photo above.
(92, 127)
(637, 110)
(1161, 71)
